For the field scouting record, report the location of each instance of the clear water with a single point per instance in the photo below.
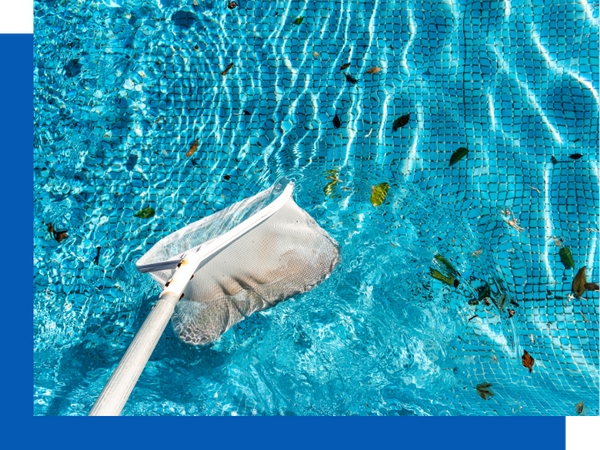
(123, 88)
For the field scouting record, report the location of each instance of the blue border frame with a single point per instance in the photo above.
(16, 142)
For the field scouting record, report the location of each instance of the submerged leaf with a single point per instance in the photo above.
(528, 361)
(554, 160)
(350, 78)
(566, 257)
(145, 213)
(485, 292)
(379, 193)
(246, 113)
(227, 177)
(400, 122)
(328, 189)
(336, 121)
(439, 276)
(227, 69)
(192, 148)
(576, 156)
(345, 66)
(456, 283)
(60, 235)
(373, 70)
(232, 5)
(502, 300)
(446, 263)
(579, 407)
(484, 391)
(579, 282)
(458, 155)
(298, 21)
(591, 287)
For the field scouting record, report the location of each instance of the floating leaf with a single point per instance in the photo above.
(400, 122)
(446, 263)
(227, 69)
(528, 361)
(298, 21)
(232, 5)
(379, 193)
(554, 160)
(484, 391)
(485, 292)
(579, 282)
(439, 276)
(566, 257)
(458, 155)
(579, 407)
(60, 235)
(591, 287)
(373, 70)
(192, 148)
(576, 156)
(345, 66)
(336, 121)
(145, 213)
(329, 188)
(350, 78)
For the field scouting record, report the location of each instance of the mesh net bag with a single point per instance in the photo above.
(285, 255)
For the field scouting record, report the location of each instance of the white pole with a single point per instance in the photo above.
(121, 383)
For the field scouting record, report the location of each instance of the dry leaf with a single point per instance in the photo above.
(315, 54)
(227, 69)
(579, 407)
(528, 361)
(232, 5)
(532, 340)
(487, 302)
(345, 66)
(511, 312)
(579, 282)
(484, 391)
(227, 177)
(192, 148)
(591, 287)
(373, 70)
(196, 47)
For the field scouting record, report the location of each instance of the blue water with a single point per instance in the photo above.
(123, 89)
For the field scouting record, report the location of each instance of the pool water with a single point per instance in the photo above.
(124, 88)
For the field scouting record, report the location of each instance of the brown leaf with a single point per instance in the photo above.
(373, 70)
(591, 287)
(484, 391)
(579, 282)
(196, 47)
(579, 407)
(192, 148)
(227, 177)
(554, 160)
(232, 5)
(511, 312)
(487, 302)
(227, 69)
(50, 229)
(345, 66)
(528, 361)
(60, 236)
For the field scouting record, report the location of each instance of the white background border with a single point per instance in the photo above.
(16, 16)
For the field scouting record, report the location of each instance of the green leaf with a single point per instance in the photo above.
(458, 155)
(485, 292)
(329, 188)
(438, 276)
(566, 257)
(579, 282)
(145, 213)
(299, 20)
(484, 391)
(446, 263)
(400, 122)
(379, 193)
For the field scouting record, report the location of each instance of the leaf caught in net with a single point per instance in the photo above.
(401, 121)
(579, 282)
(458, 155)
(379, 193)
(484, 390)
(145, 213)
(528, 361)
(566, 257)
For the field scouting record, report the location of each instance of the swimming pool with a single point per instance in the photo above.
(123, 89)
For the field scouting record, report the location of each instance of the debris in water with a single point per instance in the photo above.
(370, 131)
(145, 213)
(513, 223)
(336, 121)
(315, 54)
(584, 318)
(227, 69)
(232, 5)
(484, 391)
(246, 113)
(579, 407)
(345, 66)
(576, 156)
(591, 287)
(535, 189)
(350, 78)
(579, 282)
(298, 21)
(227, 177)
(373, 70)
(458, 155)
(528, 361)
(511, 312)
(400, 122)
(566, 257)
(554, 160)
(97, 258)
(192, 148)
(444, 279)
(379, 193)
